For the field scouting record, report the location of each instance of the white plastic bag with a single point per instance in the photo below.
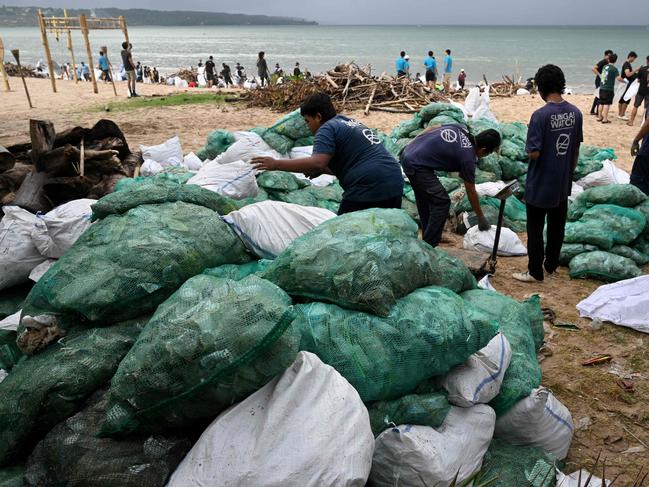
(478, 380)
(322, 180)
(236, 180)
(420, 455)
(192, 162)
(576, 479)
(40, 270)
(57, 230)
(575, 191)
(472, 101)
(508, 245)
(300, 152)
(484, 111)
(18, 254)
(150, 168)
(169, 153)
(625, 303)
(490, 188)
(11, 322)
(538, 420)
(307, 427)
(246, 146)
(609, 174)
(485, 283)
(268, 227)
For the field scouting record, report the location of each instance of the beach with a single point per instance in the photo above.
(608, 418)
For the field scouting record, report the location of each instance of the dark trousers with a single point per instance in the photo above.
(347, 206)
(640, 173)
(556, 221)
(593, 109)
(433, 203)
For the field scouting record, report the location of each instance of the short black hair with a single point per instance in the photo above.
(402, 53)
(101, 53)
(262, 53)
(612, 58)
(487, 139)
(124, 45)
(319, 103)
(633, 54)
(448, 51)
(430, 53)
(550, 79)
(608, 52)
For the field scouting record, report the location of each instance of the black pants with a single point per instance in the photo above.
(433, 203)
(556, 219)
(593, 109)
(640, 173)
(347, 206)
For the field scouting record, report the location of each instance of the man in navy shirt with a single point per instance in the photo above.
(448, 148)
(553, 139)
(640, 171)
(368, 174)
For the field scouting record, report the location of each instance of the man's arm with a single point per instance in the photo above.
(644, 130)
(474, 199)
(316, 164)
(596, 70)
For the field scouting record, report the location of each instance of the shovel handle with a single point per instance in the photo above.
(501, 214)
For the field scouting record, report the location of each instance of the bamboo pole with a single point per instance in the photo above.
(16, 55)
(84, 31)
(46, 45)
(122, 23)
(110, 68)
(2, 66)
(71, 48)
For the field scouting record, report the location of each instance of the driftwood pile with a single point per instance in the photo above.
(188, 75)
(350, 88)
(54, 168)
(28, 71)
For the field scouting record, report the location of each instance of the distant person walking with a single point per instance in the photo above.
(139, 74)
(431, 70)
(629, 75)
(461, 79)
(401, 65)
(262, 68)
(640, 171)
(448, 70)
(155, 75)
(241, 77)
(226, 72)
(296, 70)
(85, 71)
(643, 92)
(129, 67)
(103, 66)
(554, 135)
(597, 70)
(210, 67)
(610, 73)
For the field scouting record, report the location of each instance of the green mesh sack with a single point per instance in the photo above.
(406, 127)
(484, 176)
(163, 177)
(512, 169)
(126, 265)
(569, 251)
(410, 208)
(585, 167)
(443, 119)
(597, 153)
(415, 133)
(482, 124)
(292, 126)
(305, 141)
(514, 131)
(279, 181)
(518, 466)
(644, 209)
(298, 197)
(427, 333)
(280, 143)
(603, 266)
(262, 195)
(641, 244)
(212, 343)
(161, 192)
(12, 477)
(416, 409)
(625, 195)
(217, 142)
(450, 184)
(524, 372)
(388, 142)
(606, 226)
(515, 209)
(630, 253)
(72, 454)
(432, 110)
(402, 144)
(491, 163)
(238, 272)
(363, 271)
(409, 193)
(514, 150)
(49, 387)
(12, 299)
(10, 354)
(260, 131)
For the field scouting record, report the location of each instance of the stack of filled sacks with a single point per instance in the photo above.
(606, 235)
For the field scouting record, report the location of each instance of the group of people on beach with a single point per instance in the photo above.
(432, 72)
(631, 85)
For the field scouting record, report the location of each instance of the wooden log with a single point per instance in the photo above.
(65, 162)
(12, 179)
(16, 55)
(43, 136)
(46, 46)
(31, 195)
(5, 77)
(331, 81)
(72, 136)
(83, 23)
(7, 159)
(369, 102)
(71, 49)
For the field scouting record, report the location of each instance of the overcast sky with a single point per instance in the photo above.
(417, 12)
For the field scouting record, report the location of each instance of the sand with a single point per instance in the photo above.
(617, 419)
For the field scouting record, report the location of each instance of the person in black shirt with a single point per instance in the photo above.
(296, 71)
(129, 67)
(628, 74)
(209, 71)
(597, 70)
(156, 75)
(262, 68)
(227, 75)
(643, 92)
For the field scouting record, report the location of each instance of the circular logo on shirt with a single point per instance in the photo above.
(449, 136)
(563, 143)
(371, 136)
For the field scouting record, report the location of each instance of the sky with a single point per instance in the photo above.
(406, 12)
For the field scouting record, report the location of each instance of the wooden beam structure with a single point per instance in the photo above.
(71, 49)
(86, 39)
(46, 46)
(2, 66)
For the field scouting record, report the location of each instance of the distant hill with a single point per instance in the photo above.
(26, 17)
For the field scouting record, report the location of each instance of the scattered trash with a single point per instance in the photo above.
(600, 359)
(583, 423)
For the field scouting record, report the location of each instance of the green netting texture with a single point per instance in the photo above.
(434, 109)
(427, 333)
(603, 266)
(261, 196)
(280, 143)
(305, 141)
(163, 177)
(625, 195)
(644, 209)
(238, 272)
(524, 372)
(45, 389)
(511, 168)
(635, 255)
(404, 128)
(125, 265)
(278, 181)
(569, 251)
(518, 466)
(606, 226)
(72, 454)
(12, 477)
(484, 177)
(10, 354)
(217, 142)
(212, 343)
(491, 164)
(417, 409)
(292, 126)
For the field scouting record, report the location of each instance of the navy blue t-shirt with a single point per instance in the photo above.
(644, 148)
(556, 132)
(366, 170)
(447, 148)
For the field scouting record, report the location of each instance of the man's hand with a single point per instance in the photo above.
(483, 224)
(265, 163)
(635, 148)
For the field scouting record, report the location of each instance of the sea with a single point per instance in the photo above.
(480, 50)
